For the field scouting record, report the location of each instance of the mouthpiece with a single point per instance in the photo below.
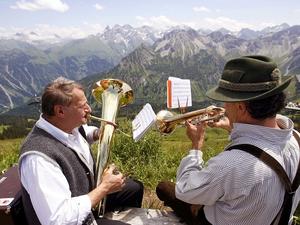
(91, 117)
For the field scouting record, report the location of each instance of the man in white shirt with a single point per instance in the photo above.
(56, 164)
(235, 187)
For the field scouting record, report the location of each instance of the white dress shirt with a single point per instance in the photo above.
(236, 187)
(46, 184)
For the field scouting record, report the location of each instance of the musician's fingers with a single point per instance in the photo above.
(123, 182)
(203, 124)
(110, 169)
(106, 170)
(211, 123)
(112, 166)
(198, 125)
(188, 123)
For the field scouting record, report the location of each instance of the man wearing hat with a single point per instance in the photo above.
(235, 187)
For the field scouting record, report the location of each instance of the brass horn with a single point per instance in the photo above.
(112, 93)
(166, 121)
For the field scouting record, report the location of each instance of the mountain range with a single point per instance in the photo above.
(143, 57)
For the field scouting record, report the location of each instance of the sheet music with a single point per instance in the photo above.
(143, 122)
(179, 92)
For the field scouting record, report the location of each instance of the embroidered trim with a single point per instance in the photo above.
(247, 87)
(253, 87)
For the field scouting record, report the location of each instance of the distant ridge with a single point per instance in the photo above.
(143, 57)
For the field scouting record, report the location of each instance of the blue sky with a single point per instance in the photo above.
(83, 17)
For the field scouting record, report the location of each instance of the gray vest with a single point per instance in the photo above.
(80, 178)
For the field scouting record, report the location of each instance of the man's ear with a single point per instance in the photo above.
(242, 107)
(59, 111)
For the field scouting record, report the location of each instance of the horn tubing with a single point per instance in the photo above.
(112, 93)
(110, 98)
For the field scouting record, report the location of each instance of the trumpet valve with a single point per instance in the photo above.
(165, 128)
(213, 114)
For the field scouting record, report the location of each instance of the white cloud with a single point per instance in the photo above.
(201, 9)
(227, 23)
(90, 28)
(35, 5)
(46, 31)
(161, 22)
(263, 25)
(296, 10)
(98, 7)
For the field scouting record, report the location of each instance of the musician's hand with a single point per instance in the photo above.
(196, 134)
(111, 182)
(113, 179)
(223, 123)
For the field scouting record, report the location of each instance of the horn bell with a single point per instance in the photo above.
(113, 85)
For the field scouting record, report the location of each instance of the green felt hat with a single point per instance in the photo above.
(249, 78)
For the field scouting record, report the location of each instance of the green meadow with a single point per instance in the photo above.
(9, 152)
(152, 159)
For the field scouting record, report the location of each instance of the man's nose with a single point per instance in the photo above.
(88, 108)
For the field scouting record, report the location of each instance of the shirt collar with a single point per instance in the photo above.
(54, 131)
(264, 133)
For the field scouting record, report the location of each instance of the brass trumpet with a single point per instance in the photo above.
(166, 122)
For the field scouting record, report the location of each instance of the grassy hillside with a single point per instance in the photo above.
(9, 151)
(152, 159)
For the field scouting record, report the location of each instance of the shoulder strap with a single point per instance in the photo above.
(284, 213)
(296, 181)
(268, 160)
(283, 216)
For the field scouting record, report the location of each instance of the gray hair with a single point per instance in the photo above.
(58, 92)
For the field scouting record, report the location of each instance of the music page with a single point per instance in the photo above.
(179, 93)
(143, 122)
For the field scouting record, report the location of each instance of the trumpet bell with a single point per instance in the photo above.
(113, 86)
(161, 122)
